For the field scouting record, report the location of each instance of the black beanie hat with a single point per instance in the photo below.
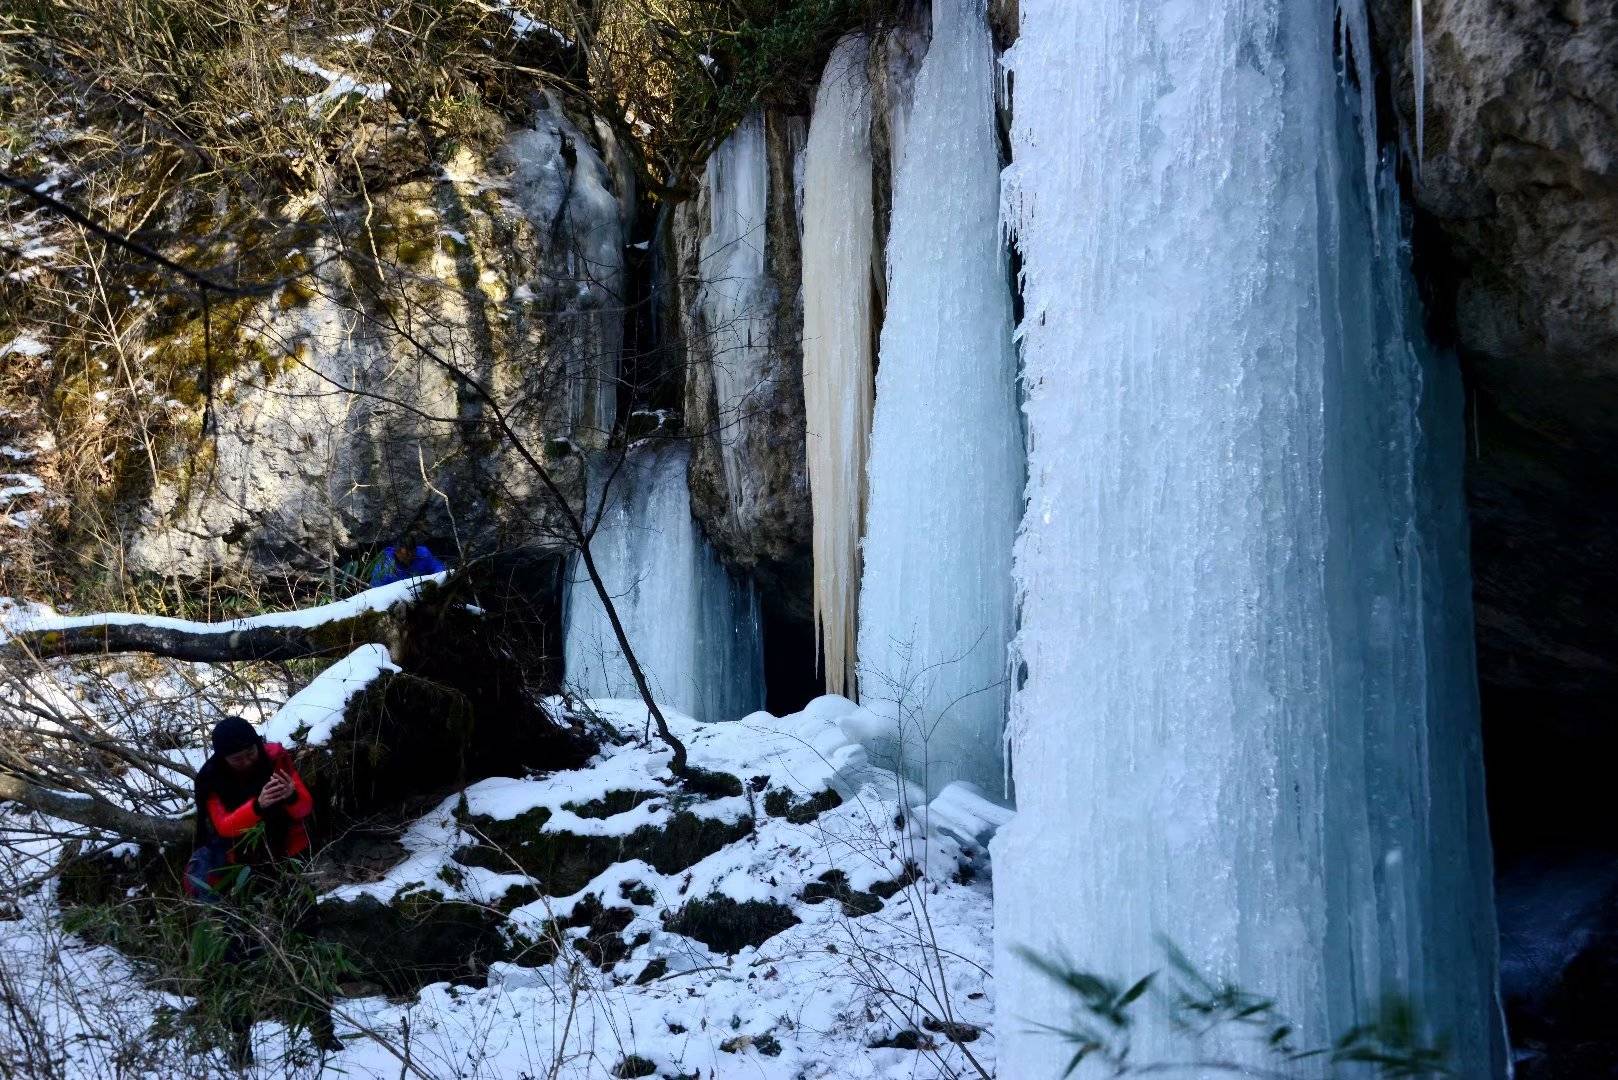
(232, 734)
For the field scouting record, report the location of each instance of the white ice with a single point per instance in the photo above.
(946, 458)
(839, 309)
(1249, 721)
(692, 626)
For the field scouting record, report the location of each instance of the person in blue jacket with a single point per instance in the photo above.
(405, 559)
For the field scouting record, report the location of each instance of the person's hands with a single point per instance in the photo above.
(277, 790)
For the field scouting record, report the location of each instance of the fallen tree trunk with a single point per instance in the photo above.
(206, 646)
(373, 617)
(94, 813)
(474, 656)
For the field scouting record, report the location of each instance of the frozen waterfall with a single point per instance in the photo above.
(946, 465)
(1249, 721)
(559, 179)
(736, 299)
(838, 343)
(694, 629)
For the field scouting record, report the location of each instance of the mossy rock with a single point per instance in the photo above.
(400, 737)
(783, 803)
(418, 939)
(465, 705)
(564, 862)
(729, 926)
(636, 893)
(603, 941)
(613, 803)
(833, 885)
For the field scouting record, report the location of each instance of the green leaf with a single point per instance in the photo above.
(1134, 992)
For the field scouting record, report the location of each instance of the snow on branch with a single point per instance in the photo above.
(364, 618)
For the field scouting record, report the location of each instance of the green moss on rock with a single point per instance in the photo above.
(729, 926)
(782, 803)
(564, 862)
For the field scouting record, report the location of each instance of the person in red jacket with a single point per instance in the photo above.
(245, 784)
(251, 809)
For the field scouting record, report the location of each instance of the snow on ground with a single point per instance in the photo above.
(16, 485)
(339, 85)
(24, 345)
(809, 1003)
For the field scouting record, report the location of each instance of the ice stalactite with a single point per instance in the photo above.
(838, 343)
(736, 298)
(567, 192)
(946, 465)
(1249, 719)
(1418, 77)
(693, 627)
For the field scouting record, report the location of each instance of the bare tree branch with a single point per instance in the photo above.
(94, 813)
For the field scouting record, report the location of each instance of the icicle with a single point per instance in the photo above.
(694, 630)
(1249, 720)
(945, 470)
(838, 373)
(1418, 68)
(736, 297)
(1356, 28)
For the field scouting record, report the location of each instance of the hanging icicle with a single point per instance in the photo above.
(736, 298)
(1418, 69)
(838, 343)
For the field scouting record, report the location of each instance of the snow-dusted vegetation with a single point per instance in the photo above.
(815, 923)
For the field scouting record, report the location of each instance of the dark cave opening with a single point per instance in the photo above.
(790, 682)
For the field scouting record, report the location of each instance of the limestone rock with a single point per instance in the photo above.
(749, 485)
(1518, 238)
(510, 270)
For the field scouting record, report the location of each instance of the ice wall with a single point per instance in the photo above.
(1249, 719)
(565, 189)
(946, 469)
(735, 297)
(694, 628)
(838, 343)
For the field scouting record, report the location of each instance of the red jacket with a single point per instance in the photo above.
(231, 822)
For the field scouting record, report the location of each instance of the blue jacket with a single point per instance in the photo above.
(388, 570)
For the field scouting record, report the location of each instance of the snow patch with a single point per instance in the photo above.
(339, 86)
(24, 345)
(311, 714)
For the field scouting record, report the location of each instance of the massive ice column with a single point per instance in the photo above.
(946, 468)
(838, 343)
(693, 628)
(1248, 722)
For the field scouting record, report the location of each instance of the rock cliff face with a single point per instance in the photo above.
(741, 317)
(510, 270)
(1517, 240)
(1517, 199)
